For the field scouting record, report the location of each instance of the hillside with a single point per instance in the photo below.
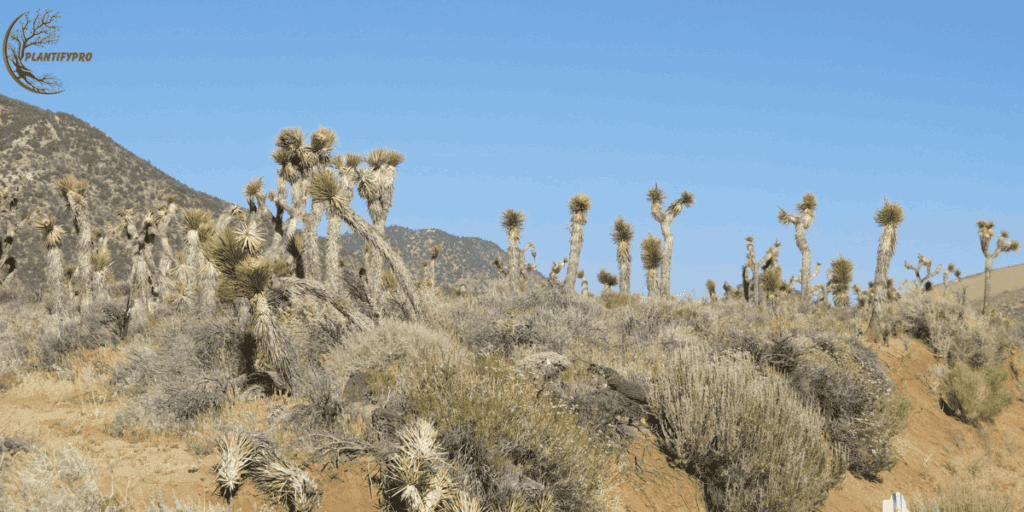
(49, 145)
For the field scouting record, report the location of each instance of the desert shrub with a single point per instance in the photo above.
(542, 317)
(947, 328)
(744, 433)
(51, 481)
(642, 322)
(975, 395)
(70, 337)
(387, 341)
(841, 376)
(504, 440)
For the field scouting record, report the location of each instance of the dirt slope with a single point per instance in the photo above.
(935, 451)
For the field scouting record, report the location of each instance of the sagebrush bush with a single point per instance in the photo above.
(504, 439)
(834, 371)
(975, 395)
(951, 330)
(389, 340)
(46, 481)
(745, 433)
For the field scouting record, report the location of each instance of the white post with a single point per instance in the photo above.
(895, 503)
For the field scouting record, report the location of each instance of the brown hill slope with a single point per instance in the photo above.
(48, 145)
(1006, 293)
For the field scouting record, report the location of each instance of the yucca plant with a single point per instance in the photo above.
(962, 292)
(711, 286)
(755, 284)
(10, 223)
(839, 278)
(584, 286)
(377, 187)
(622, 237)
(417, 476)
(142, 292)
(73, 192)
(579, 205)
(802, 222)
(380, 243)
(512, 222)
(257, 201)
(53, 235)
(297, 161)
(985, 233)
(608, 280)
(99, 262)
(556, 267)
(664, 217)
(651, 258)
(888, 217)
(922, 262)
(328, 192)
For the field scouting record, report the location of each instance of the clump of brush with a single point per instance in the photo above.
(254, 455)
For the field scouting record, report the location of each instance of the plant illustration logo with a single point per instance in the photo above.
(36, 32)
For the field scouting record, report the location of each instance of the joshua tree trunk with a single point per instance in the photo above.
(371, 235)
(311, 227)
(802, 223)
(985, 234)
(579, 205)
(622, 237)
(10, 195)
(664, 218)
(889, 217)
(333, 268)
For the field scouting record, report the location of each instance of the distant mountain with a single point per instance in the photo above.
(49, 145)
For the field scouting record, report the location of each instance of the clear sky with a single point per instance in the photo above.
(524, 104)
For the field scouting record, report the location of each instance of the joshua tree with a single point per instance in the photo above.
(768, 262)
(922, 261)
(839, 278)
(141, 275)
(651, 257)
(962, 292)
(52, 236)
(73, 192)
(608, 280)
(802, 223)
(163, 215)
(556, 267)
(622, 237)
(328, 192)
(298, 161)
(888, 217)
(584, 287)
(377, 187)
(373, 236)
(728, 291)
(10, 223)
(99, 262)
(512, 222)
(429, 266)
(665, 217)
(579, 205)
(985, 233)
(257, 201)
(198, 224)
(710, 285)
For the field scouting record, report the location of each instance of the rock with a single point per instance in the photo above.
(544, 364)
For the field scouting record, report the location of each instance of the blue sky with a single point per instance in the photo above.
(522, 105)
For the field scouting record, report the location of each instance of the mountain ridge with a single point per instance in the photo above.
(47, 145)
